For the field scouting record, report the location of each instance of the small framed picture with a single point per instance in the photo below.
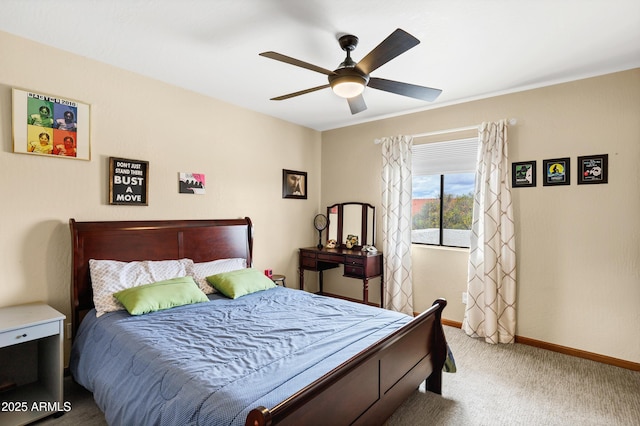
(556, 171)
(593, 169)
(128, 182)
(50, 125)
(191, 183)
(523, 174)
(294, 184)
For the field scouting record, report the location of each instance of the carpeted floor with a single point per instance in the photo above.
(523, 385)
(494, 385)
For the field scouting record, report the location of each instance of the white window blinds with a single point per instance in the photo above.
(436, 158)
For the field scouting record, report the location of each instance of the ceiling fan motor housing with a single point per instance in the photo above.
(352, 75)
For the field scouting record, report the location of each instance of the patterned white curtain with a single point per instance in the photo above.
(396, 223)
(491, 286)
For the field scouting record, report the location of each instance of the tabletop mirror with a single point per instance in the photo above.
(352, 224)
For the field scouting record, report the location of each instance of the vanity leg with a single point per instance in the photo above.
(301, 272)
(320, 281)
(365, 291)
(382, 290)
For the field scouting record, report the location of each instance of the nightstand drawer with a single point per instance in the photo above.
(26, 334)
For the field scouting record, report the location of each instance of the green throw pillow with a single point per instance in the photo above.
(161, 295)
(240, 282)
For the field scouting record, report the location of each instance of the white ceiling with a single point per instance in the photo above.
(469, 48)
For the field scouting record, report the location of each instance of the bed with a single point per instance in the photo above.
(276, 356)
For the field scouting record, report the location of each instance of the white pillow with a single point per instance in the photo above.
(205, 269)
(110, 276)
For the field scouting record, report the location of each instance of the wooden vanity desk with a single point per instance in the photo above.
(357, 264)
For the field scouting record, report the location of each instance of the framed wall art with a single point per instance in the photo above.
(294, 184)
(523, 174)
(593, 169)
(50, 125)
(556, 171)
(128, 182)
(191, 183)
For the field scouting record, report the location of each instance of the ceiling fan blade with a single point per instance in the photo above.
(357, 104)
(292, 61)
(405, 89)
(396, 44)
(301, 92)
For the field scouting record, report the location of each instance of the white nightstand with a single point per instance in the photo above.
(31, 363)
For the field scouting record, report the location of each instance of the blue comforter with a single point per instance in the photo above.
(211, 363)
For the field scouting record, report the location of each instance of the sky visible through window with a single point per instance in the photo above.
(429, 186)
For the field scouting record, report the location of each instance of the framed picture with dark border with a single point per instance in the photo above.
(593, 169)
(294, 184)
(523, 174)
(128, 182)
(557, 171)
(50, 125)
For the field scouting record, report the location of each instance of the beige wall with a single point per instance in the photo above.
(578, 246)
(242, 154)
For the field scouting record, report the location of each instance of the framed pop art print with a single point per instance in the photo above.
(50, 125)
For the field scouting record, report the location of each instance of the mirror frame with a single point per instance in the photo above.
(364, 224)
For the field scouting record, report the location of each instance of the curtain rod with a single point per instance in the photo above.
(511, 121)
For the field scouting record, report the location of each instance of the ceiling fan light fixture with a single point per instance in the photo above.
(348, 89)
(348, 85)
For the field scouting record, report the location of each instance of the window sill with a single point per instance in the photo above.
(433, 247)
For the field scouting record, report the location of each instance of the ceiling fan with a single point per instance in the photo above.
(350, 78)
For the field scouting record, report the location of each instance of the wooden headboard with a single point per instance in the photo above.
(199, 240)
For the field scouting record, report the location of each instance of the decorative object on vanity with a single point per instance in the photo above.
(557, 171)
(523, 174)
(320, 222)
(352, 241)
(191, 183)
(294, 184)
(370, 249)
(128, 182)
(331, 244)
(349, 220)
(50, 125)
(593, 169)
(349, 79)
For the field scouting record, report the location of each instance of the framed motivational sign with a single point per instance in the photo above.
(128, 182)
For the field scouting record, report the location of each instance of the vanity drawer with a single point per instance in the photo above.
(353, 271)
(354, 260)
(27, 334)
(330, 257)
(308, 254)
(308, 262)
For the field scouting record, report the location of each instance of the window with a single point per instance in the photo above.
(443, 187)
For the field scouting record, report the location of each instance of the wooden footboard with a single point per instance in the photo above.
(369, 387)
